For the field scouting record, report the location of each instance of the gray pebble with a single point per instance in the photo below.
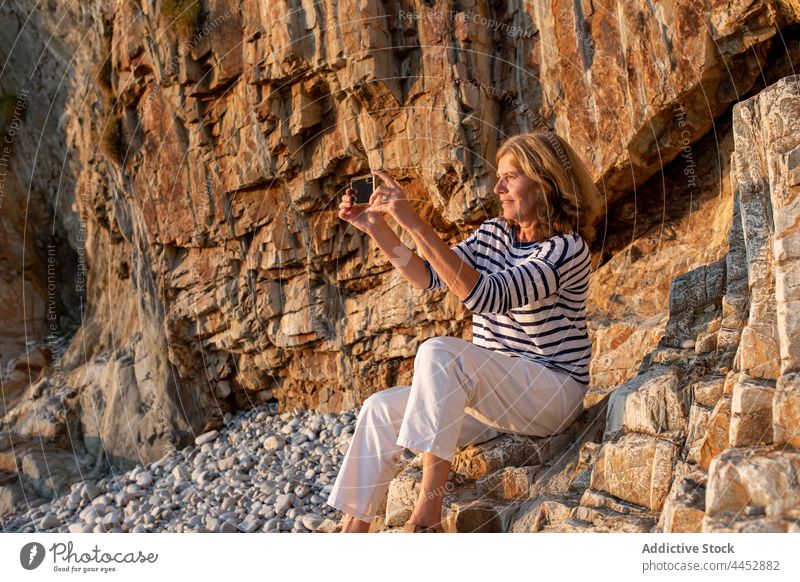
(206, 437)
(274, 442)
(283, 503)
(49, 521)
(250, 524)
(312, 521)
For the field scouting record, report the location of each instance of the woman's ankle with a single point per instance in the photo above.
(352, 525)
(428, 518)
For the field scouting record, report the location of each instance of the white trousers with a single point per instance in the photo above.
(460, 394)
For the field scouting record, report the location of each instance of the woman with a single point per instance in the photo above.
(524, 276)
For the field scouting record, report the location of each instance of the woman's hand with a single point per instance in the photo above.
(389, 198)
(358, 214)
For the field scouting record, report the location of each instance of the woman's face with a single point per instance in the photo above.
(518, 193)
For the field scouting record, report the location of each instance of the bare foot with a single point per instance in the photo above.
(352, 525)
(416, 527)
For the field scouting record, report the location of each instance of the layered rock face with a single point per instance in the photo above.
(208, 156)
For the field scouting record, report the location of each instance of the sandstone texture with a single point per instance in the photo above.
(170, 227)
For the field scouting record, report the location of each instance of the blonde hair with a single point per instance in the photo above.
(571, 204)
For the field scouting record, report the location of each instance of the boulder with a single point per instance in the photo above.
(636, 468)
(653, 403)
(751, 485)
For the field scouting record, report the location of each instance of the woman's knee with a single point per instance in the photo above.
(574, 406)
(384, 406)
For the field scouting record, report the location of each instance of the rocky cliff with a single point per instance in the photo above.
(173, 253)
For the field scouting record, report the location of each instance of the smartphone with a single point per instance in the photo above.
(363, 186)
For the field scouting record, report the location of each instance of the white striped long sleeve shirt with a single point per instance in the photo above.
(530, 298)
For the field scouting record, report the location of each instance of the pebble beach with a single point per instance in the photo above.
(263, 472)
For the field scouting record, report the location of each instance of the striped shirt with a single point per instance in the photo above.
(530, 298)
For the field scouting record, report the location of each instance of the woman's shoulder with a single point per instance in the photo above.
(496, 229)
(570, 239)
(566, 247)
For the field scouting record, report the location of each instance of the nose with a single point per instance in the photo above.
(500, 187)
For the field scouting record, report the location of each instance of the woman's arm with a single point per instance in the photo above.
(458, 275)
(531, 281)
(407, 262)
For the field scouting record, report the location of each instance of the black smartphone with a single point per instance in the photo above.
(363, 186)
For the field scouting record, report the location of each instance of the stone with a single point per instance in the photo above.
(652, 403)
(759, 350)
(767, 127)
(689, 293)
(786, 410)
(49, 521)
(592, 499)
(508, 483)
(476, 461)
(312, 521)
(250, 524)
(179, 474)
(751, 413)
(747, 483)
(144, 479)
(227, 463)
(619, 346)
(716, 437)
(274, 442)
(206, 438)
(465, 510)
(402, 495)
(33, 361)
(111, 519)
(699, 417)
(283, 503)
(223, 389)
(271, 524)
(50, 471)
(12, 497)
(684, 507)
(757, 524)
(599, 520)
(707, 392)
(706, 342)
(328, 526)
